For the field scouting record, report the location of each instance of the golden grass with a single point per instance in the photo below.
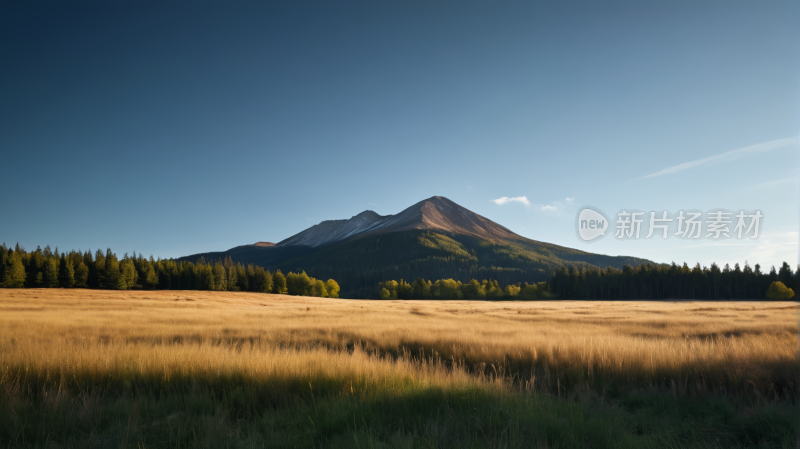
(80, 336)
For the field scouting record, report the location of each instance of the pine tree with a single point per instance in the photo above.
(50, 270)
(219, 277)
(62, 270)
(786, 276)
(128, 273)
(262, 280)
(82, 275)
(15, 274)
(206, 277)
(113, 278)
(67, 273)
(150, 278)
(98, 280)
(232, 276)
(3, 262)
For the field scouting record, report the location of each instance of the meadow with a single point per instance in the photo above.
(92, 368)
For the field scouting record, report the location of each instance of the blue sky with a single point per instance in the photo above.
(178, 128)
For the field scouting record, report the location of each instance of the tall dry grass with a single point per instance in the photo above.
(124, 339)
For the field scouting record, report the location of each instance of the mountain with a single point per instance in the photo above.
(435, 238)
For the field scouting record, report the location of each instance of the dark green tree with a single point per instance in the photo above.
(112, 276)
(786, 276)
(150, 277)
(220, 281)
(263, 280)
(66, 273)
(3, 262)
(50, 272)
(82, 275)
(128, 273)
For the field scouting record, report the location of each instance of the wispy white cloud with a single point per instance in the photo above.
(373, 204)
(518, 199)
(556, 206)
(732, 154)
(774, 184)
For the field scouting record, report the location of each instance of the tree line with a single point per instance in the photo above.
(450, 289)
(47, 268)
(646, 281)
(650, 281)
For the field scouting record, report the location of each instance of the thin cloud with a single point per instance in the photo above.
(774, 248)
(557, 206)
(373, 204)
(518, 199)
(752, 149)
(778, 183)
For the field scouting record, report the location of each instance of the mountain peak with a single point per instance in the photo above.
(436, 213)
(440, 200)
(366, 214)
(441, 214)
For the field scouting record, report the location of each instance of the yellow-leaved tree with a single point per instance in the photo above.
(779, 291)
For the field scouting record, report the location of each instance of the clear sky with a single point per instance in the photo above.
(172, 128)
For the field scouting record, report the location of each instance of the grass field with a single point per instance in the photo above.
(90, 368)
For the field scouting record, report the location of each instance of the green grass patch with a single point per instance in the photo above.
(413, 416)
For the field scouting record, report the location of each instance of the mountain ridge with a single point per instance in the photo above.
(333, 230)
